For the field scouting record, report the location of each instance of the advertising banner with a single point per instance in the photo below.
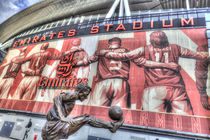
(160, 78)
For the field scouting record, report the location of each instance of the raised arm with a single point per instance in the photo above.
(127, 55)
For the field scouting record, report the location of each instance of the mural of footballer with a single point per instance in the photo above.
(112, 87)
(80, 54)
(13, 68)
(164, 88)
(201, 73)
(27, 88)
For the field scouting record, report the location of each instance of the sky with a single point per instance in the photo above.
(10, 7)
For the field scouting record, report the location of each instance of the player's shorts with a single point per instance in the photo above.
(166, 99)
(110, 92)
(27, 88)
(5, 85)
(56, 130)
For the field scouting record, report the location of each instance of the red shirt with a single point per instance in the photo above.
(163, 76)
(110, 68)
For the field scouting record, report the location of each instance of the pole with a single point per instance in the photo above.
(187, 4)
(121, 12)
(113, 8)
(127, 8)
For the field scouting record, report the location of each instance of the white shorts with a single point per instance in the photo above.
(5, 85)
(166, 99)
(110, 92)
(27, 88)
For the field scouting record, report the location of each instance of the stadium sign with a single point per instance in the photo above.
(79, 30)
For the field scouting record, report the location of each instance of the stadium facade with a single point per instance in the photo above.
(158, 74)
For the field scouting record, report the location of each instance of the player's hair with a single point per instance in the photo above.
(162, 36)
(81, 87)
(45, 45)
(114, 39)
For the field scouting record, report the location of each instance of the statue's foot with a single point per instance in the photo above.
(116, 125)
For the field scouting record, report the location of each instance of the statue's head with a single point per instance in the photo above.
(159, 39)
(83, 91)
(114, 43)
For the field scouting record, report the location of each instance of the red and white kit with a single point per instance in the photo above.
(111, 87)
(164, 88)
(14, 67)
(27, 88)
(8, 79)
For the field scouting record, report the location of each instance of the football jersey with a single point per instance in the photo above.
(39, 60)
(110, 68)
(163, 76)
(14, 67)
(12, 70)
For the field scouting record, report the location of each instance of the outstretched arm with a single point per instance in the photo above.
(55, 55)
(17, 59)
(4, 65)
(73, 50)
(22, 59)
(184, 52)
(152, 64)
(126, 56)
(87, 60)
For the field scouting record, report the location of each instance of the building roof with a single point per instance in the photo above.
(50, 10)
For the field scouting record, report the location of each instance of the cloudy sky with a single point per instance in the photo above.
(10, 7)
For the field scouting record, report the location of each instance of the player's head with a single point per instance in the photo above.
(76, 42)
(159, 39)
(114, 43)
(83, 91)
(45, 46)
(23, 50)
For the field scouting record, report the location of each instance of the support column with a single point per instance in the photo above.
(187, 4)
(113, 8)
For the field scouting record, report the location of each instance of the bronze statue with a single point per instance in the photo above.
(60, 126)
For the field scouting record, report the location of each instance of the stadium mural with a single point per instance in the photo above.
(158, 77)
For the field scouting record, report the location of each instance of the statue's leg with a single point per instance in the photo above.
(79, 121)
(98, 123)
(112, 126)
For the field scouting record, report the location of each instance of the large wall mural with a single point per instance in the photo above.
(160, 78)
